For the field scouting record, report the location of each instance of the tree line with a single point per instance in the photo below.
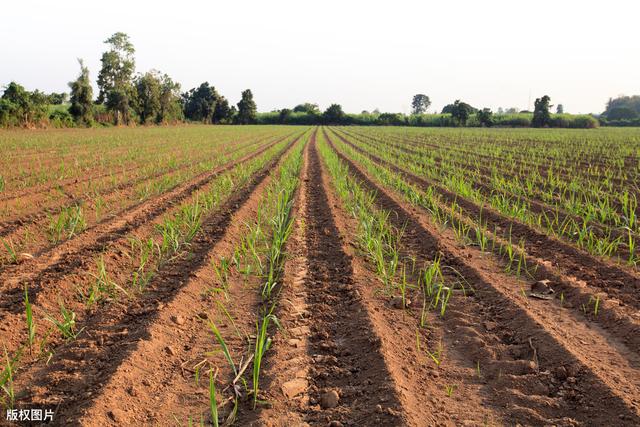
(152, 97)
(124, 97)
(456, 114)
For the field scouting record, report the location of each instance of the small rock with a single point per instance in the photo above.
(294, 387)
(293, 342)
(561, 373)
(379, 408)
(490, 326)
(396, 302)
(542, 287)
(329, 399)
(116, 415)
(170, 351)
(178, 320)
(335, 423)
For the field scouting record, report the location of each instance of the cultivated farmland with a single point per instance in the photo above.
(281, 275)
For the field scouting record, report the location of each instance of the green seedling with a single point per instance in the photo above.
(31, 325)
(66, 326)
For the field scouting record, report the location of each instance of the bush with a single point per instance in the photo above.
(582, 121)
(61, 119)
(517, 120)
(622, 123)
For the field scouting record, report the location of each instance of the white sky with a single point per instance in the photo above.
(361, 54)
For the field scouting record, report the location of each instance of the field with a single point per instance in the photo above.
(299, 275)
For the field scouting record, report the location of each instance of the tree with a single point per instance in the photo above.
(560, 109)
(541, 115)
(247, 109)
(284, 115)
(420, 103)
(200, 103)
(57, 98)
(148, 89)
(20, 107)
(622, 113)
(625, 102)
(115, 77)
(307, 107)
(333, 114)
(170, 106)
(82, 97)
(223, 113)
(390, 119)
(460, 111)
(485, 117)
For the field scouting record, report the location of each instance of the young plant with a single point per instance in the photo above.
(262, 344)
(450, 389)
(11, 250)
(66, 326)
(67, 223)
(437, 355)
(213, 404)
(6, 379)
(31, 325)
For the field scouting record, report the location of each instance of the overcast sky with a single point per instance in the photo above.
(361, 54)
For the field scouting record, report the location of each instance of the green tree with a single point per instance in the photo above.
(622, 113)
(541, 115)
(57, 98)
(334, 114)
(560, 109)
(200, 103)
(223, 113)
(170, 105)
(21, 107)
(625, 102)
(148, 89)
(390, 119)
(449, 108)
(420, 103)
(485, 117)
(284, 115)
(247, 110)
(82, 97)
(460, 111)
(115, 79)
(307, 107)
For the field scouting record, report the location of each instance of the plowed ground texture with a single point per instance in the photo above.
(319, 276)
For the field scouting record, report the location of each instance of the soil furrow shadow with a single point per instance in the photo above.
(343, 345)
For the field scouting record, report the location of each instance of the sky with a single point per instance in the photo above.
(360, 54)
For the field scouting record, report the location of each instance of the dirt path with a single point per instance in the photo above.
(330, 367)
